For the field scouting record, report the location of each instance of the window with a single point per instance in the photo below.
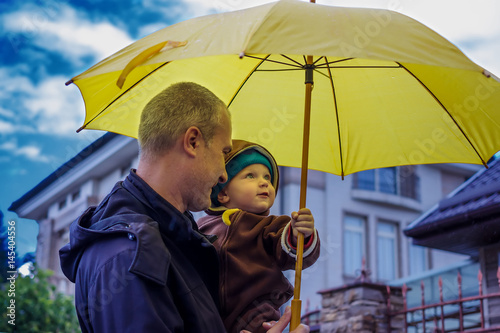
(354, 243)
(387, 251)
(75, 196)
(418, 259)
(366, 180)
(401, 181)
(387, 180)
(408, 182)
(62, 203)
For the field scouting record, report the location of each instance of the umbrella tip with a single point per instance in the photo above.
(242, 54)
(69, 82)
(489, 74)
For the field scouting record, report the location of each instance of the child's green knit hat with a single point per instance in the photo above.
(244, 154)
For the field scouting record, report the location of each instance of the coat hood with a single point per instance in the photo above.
(84, 232)
(126, 213)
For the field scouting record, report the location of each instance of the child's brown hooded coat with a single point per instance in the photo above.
(253, 251)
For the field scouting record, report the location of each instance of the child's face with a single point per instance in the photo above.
(250, 190)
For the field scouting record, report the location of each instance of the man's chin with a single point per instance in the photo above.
(199, 206)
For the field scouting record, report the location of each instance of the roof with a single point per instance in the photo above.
(465, 220)
(63, 169)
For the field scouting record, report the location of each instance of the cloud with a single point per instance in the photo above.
(56, 108)
(29, 89)
(45, 107)
(456, 19)
(150, 28)
(30, 152)
(202, 7)
(65, 31)
(6, 127)
(6, 113)
(484, 52)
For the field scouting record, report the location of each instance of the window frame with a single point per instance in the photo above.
(407, 182)
(396, 251)
(364, 243)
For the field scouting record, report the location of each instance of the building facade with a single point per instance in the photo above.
(360, 219)
(468, 222)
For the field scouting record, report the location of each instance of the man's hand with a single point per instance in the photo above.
(280, 325)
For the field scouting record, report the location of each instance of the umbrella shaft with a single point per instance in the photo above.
(296, 302)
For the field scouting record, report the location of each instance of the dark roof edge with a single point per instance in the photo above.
(450, 195)
(462, 197)
(63, 169)
(452, 222)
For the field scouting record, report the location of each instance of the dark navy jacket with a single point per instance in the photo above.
(141, 266)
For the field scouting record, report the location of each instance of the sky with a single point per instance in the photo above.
(45, 43)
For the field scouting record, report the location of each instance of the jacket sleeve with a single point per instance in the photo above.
(121, 301)
(275, 236)
(311, 247)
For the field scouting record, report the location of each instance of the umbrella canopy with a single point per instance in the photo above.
(387, 90)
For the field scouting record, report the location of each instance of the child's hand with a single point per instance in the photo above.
(302, 221)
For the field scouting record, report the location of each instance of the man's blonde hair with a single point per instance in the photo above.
(170, 113)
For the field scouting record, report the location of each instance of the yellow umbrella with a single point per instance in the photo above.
(386, 90)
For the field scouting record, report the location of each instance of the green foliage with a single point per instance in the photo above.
(5, 252)
(38, 307)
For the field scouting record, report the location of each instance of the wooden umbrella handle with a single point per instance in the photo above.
(296, 302)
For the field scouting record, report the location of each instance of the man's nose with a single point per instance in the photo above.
(223, 177)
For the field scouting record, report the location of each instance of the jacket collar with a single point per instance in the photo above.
(181, 224)
(134, 209)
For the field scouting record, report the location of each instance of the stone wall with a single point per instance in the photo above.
(361, 307)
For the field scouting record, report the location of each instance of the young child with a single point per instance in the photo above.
(254, 248)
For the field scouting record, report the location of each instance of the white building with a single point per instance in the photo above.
(362, 216)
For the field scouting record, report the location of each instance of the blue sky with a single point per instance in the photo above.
(45, 43)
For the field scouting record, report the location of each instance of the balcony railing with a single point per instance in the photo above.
(464, 314)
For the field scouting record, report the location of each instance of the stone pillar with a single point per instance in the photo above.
(361, 307)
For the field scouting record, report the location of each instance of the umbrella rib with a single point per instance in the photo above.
(327, 63)
(337, 116)
(248, 77)
(446, 110)
(279, 70)
(314, 63)
(294, 61)
(114, 100)
(333, 62)
(275, 61)
(321, 73)
(351, 67)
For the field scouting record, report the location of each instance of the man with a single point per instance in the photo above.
(137, 259)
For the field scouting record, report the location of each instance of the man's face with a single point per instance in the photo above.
(211, 166)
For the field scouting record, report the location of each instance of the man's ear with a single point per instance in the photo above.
(223, 197)
(192, 140)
